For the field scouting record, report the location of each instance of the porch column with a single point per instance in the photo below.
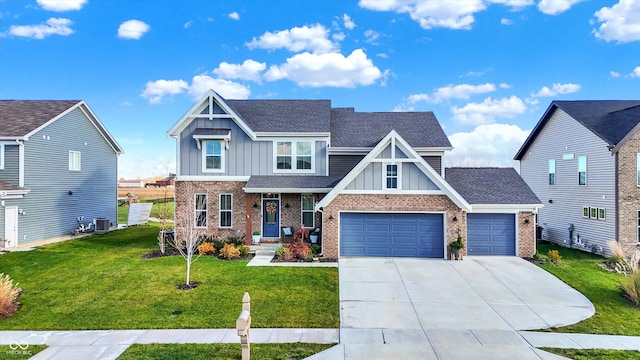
(249, 208)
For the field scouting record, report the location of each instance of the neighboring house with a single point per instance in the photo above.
(124, 183)
(57, 163)
(372, 182)
(582, 160)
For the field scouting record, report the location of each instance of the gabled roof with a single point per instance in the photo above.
(495, 186)
(393, 139)
(290, 184)
(19, 119)
(611, 120)
(365, 129)
(306, 116)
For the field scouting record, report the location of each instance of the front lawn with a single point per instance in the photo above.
(221, 351)
(589, 354)
(102, 282)
(614, 315)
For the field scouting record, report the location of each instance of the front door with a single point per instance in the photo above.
(271, 218)
(11, 226)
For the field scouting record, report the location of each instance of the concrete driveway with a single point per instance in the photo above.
(424, 308)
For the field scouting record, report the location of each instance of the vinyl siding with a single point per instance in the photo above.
(372, 178)
(340, 165)
(564, 135)
(435, 162)
(10, 173)
(50, 210)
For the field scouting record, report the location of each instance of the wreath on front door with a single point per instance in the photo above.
(272, 208)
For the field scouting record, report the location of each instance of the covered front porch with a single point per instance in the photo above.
(278, 206)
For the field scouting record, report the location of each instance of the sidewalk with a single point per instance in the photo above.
(109, 344)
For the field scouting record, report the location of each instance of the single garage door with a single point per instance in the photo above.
(491, 234)
(396, 235)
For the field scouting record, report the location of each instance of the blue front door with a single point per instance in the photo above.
(271, 218)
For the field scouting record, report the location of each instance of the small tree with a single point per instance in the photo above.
(190, 223)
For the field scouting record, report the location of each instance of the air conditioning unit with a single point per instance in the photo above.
(102, 225)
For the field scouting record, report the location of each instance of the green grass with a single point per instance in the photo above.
(6, 353)
(102, 282)
(159, 210)
(614, 315)
(221, 351)
(590, 354)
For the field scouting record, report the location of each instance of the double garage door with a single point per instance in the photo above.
(422, 235)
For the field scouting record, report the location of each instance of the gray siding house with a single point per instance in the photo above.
(373, 183)
(582, 160)
(57, 163)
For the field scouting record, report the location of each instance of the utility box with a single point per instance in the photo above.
(102, 225)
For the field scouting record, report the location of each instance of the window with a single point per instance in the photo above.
(585, 212)
(552, 172)
(638, 167)
(213, 156)
(200, 210)
(306, 208)
(294, 155)
(582, 170)
(226, 210)
(74, 160)
(594, 213)
(392, 176)
(601, 214)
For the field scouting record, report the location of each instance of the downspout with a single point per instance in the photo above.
(321, 211)
(616, 198)
(21, 163)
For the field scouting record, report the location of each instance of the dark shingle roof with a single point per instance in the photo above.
(284, 115)
(20, 117)
(611, 120)
(292, 182)
(366, 129)
(490, 186)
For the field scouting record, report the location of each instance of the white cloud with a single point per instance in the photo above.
(248, 70)
(310, 38)
(504, 86)
(557, 89)
(371, 36)
(488, 110)
(155, 91)
(636, 72)
(555, 7)
(332, 69)
(614, 74)
(132, 29)
(348, 23)
(621, 22)
(486, 145)
(234, 15)
(200, 84)
(462, 91)
(188, 24)
(143, 164)
(53, 26)
(62, 5)
(505, 21)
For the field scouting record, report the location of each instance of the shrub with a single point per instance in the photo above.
(229, 252)
(8, 296)
(555, 257)
(631, 288)
(617, 254)
(218, 244)
(206, 248)
(283, 253)
(244, 250)
(315, 249)
(235, 240)
(299, 249)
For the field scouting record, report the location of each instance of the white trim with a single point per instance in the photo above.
(504, 208)
(434, 176)
(269, 135)
(220, 210)
(294, 155)
(385, 176)
(79, 160)
(211, 178)
(20, 163)
(422, 151)
(203, 154)
(178, 173)
(2, 152)
(586, 170)
(196, 211)
(312, 211)
(285, 190)
(394, 191)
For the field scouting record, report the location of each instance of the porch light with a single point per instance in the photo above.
(455, 218)
(330, 216)
(287, 205)
(255, 205)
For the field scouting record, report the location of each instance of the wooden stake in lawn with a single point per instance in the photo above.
(191, 222)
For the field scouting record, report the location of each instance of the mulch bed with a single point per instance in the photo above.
(173, 252)
(296, 260)
(191, 286)
(535, 261)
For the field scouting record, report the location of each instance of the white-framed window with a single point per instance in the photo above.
(2, 156)
(602, 212)
(552, 172)
(391, 176)
(74, 160)
(293, 156)
(200, 210)
(593, 212)
(585, 212)
(306, 208)
(226, 210)
(212, 156)
(582, 170)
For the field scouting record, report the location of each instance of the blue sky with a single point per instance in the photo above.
(488, 69)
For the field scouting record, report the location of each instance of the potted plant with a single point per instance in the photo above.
(457, 246)
(313, 235)
(255, 238)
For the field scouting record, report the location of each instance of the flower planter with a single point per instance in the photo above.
(313, 238)
(255, 239)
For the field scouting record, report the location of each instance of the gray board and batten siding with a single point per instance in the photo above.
(564, 140)
(340, 165)
(49, 209)
(244, 157)
(373, 178)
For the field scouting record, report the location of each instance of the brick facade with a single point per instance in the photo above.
(628, 195)
(526, 234)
